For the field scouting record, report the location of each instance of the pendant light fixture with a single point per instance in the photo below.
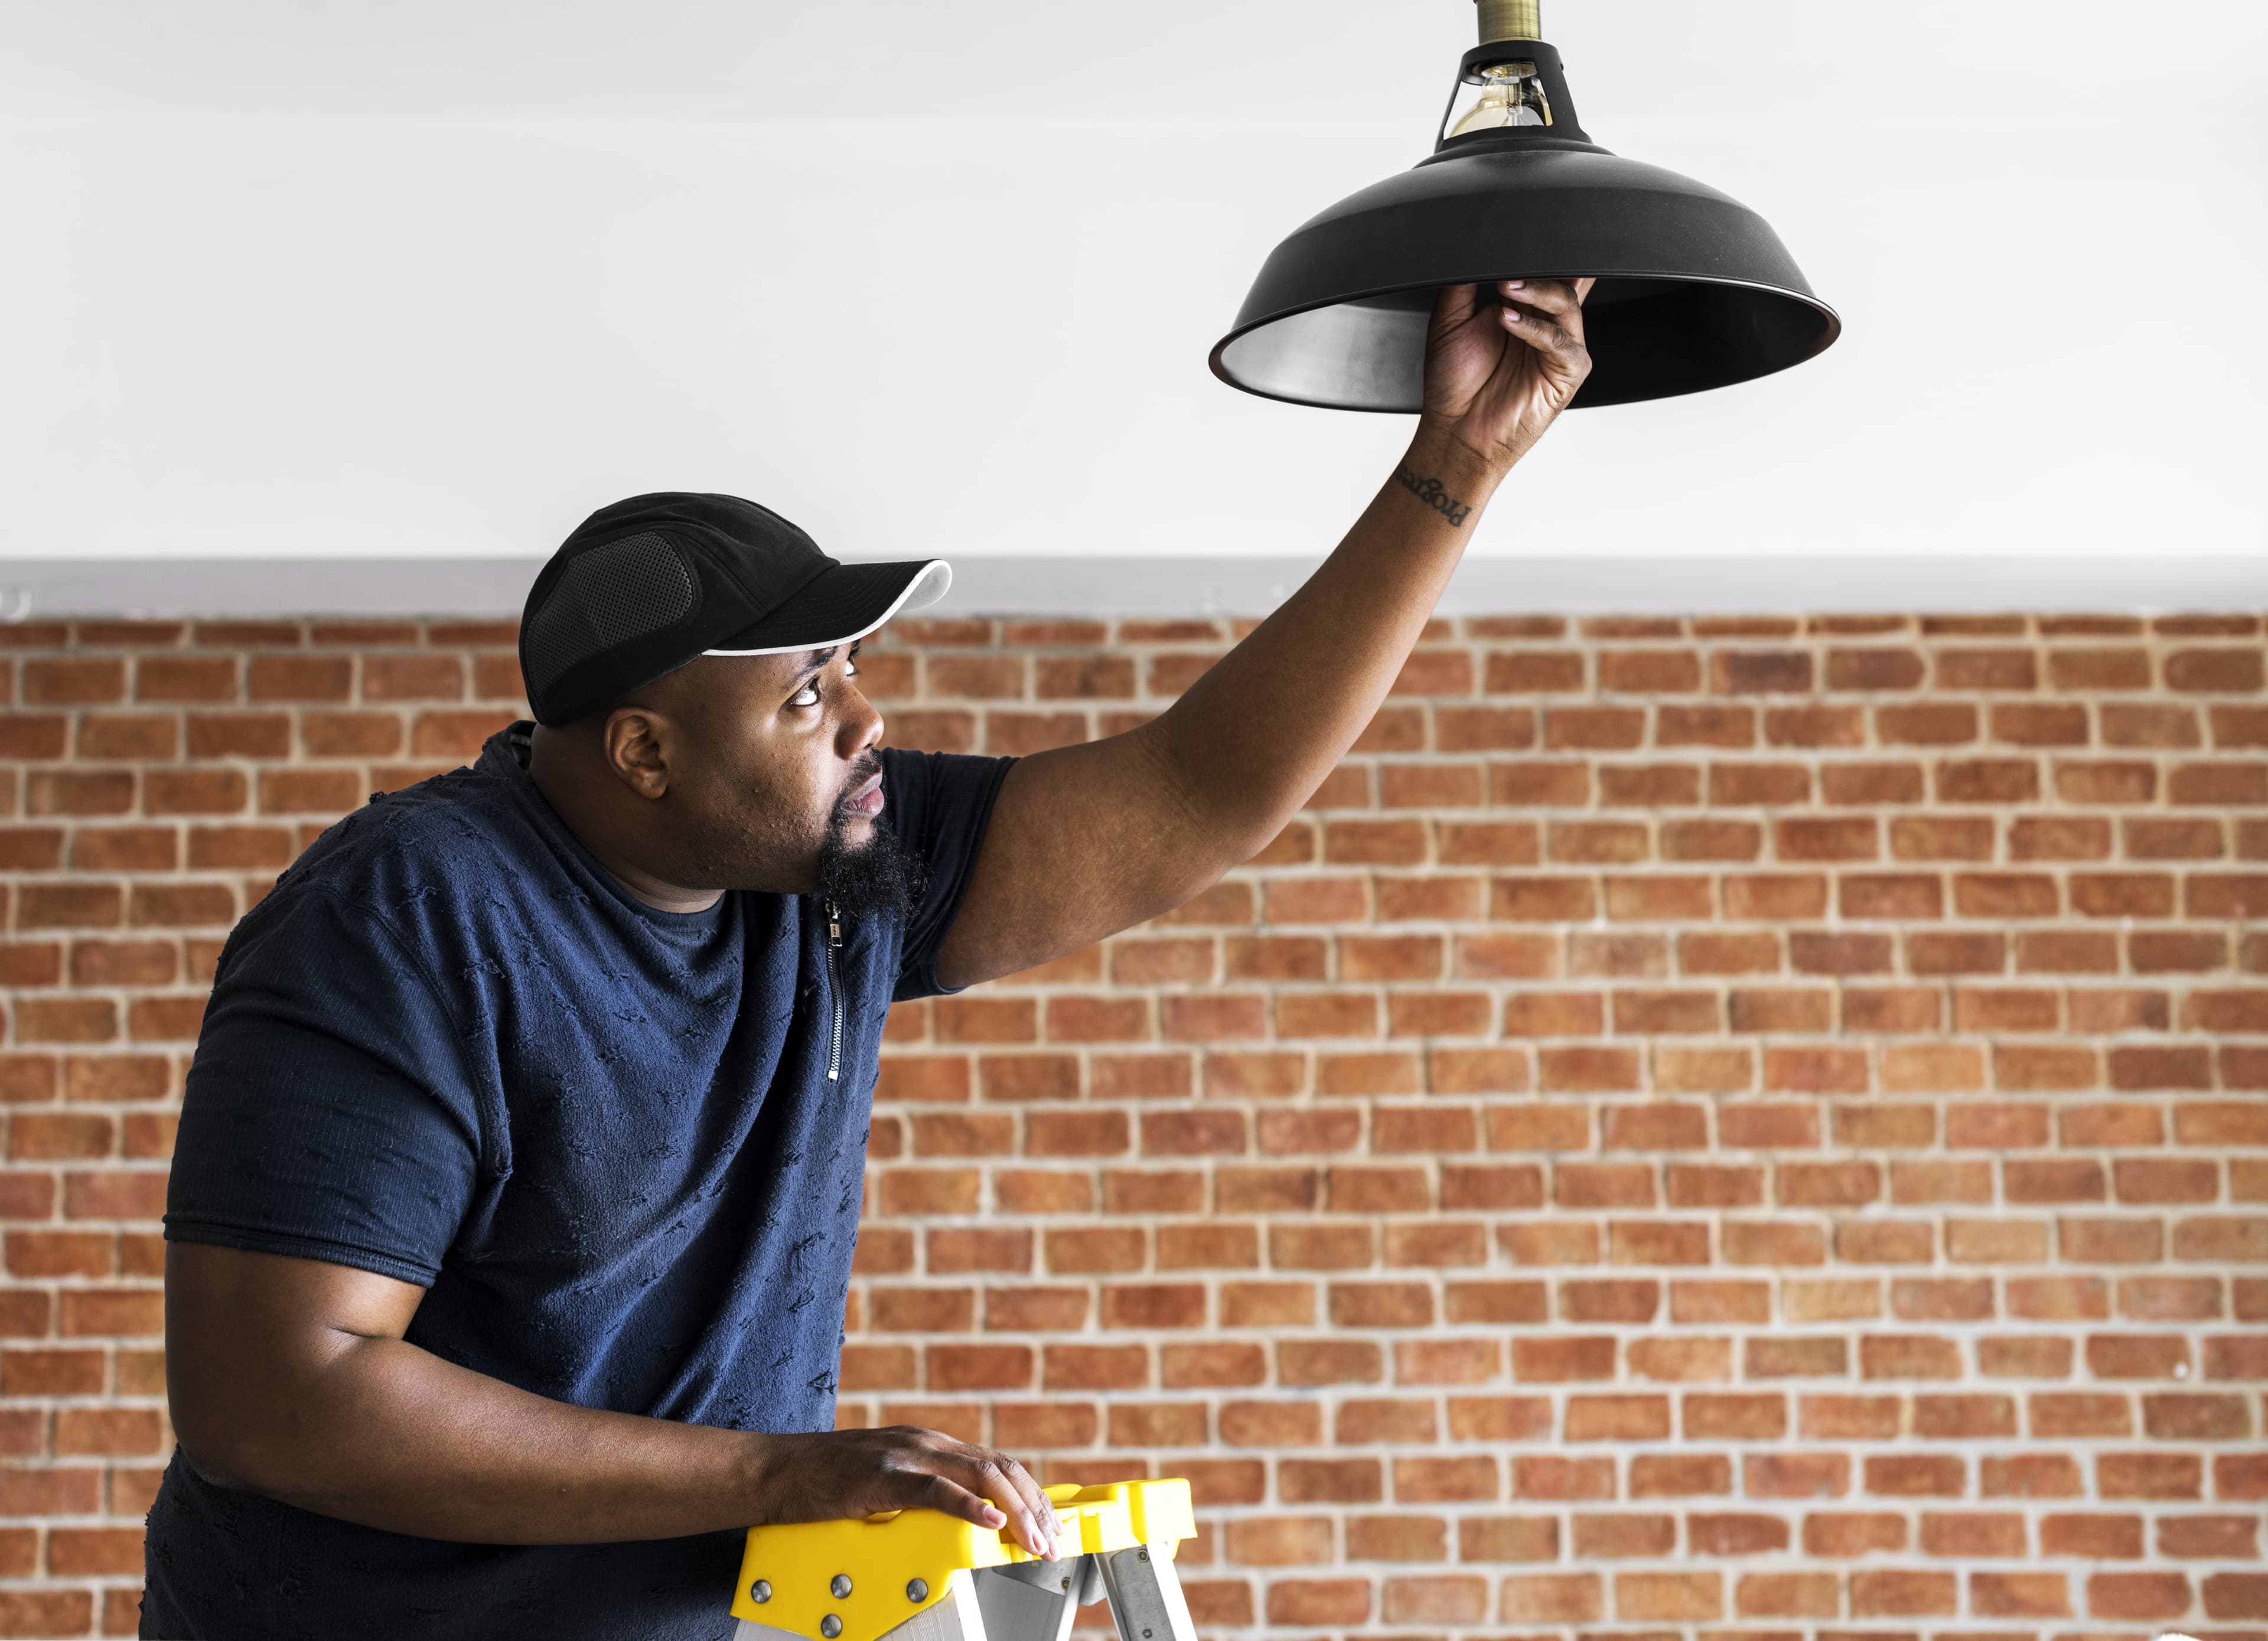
(1694, 289)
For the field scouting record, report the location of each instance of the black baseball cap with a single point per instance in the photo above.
(643, 587)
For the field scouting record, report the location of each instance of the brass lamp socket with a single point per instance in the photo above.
(1511, 20)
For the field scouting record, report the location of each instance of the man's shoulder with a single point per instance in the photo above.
(924, 787)
(452, 839)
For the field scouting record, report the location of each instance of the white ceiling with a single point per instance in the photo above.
(755, 59)
(307, 278)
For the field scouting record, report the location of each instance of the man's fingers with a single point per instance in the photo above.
(1010, 1486)
(942, 1493)
(1043, 1506)
(974, 1484)
(1555, 297)
(1546, 335)
(1559, 302)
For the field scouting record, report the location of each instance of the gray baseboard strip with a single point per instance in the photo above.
(32, 589)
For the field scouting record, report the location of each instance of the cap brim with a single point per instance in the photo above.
(841, 605)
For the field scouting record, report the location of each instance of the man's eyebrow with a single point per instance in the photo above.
(816, 658)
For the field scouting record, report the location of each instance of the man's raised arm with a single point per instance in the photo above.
(1086, 840)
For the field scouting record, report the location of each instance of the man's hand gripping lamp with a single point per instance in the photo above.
(1694, 290)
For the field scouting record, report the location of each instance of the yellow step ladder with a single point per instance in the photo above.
(920, 1575)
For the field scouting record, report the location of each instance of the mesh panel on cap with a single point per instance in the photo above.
(605, 597)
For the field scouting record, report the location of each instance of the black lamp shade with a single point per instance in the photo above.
(1694, 289)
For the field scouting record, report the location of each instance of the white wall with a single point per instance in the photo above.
(298, 279)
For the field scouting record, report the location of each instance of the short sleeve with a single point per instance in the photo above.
(942, 802)
(328, 1114)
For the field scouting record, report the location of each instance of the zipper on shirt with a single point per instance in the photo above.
(834, 990)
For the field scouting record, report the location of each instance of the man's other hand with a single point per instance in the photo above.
(851, 1474)
(1499, 367)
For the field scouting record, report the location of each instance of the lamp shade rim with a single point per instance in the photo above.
(1216, 359)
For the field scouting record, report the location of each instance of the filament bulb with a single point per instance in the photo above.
(1510, 95)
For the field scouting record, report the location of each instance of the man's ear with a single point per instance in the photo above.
(635, 743)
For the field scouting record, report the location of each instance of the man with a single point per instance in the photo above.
(511, 1216)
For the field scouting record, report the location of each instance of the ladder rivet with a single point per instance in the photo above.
(917, 1589)
(830, 1627)
(841, 1585)
(760, 1590)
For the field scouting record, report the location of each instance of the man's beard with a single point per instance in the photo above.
(877, 876)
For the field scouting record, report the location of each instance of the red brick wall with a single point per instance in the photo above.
(1711, 1123)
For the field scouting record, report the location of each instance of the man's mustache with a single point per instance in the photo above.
(865, 770)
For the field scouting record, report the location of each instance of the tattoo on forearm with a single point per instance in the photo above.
(1430, 492)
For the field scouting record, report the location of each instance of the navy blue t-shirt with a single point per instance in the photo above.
(450, 1049)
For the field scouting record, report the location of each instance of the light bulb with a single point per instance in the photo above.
(1510, 95)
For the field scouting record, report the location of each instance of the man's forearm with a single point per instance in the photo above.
(1258, 732)
(1087, 840)
(291, 1377)
(390, 1435)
